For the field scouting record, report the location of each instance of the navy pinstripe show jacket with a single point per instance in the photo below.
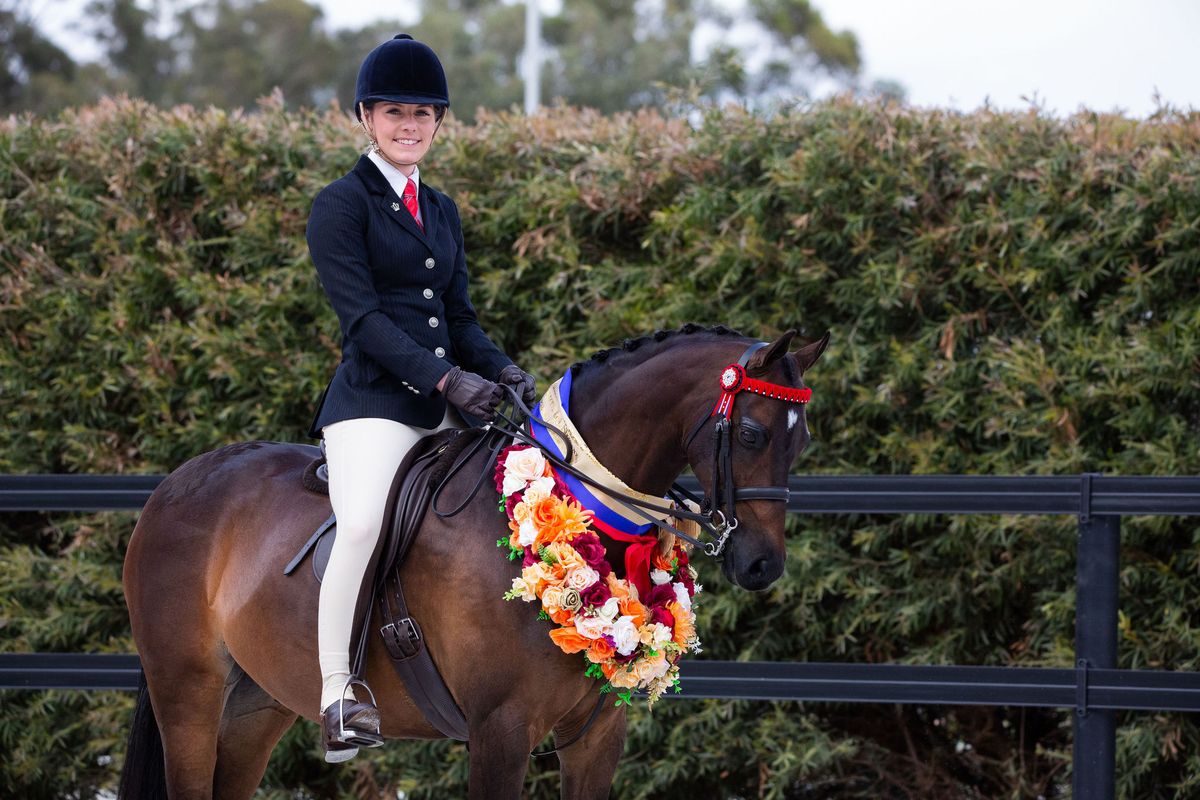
(400, 295)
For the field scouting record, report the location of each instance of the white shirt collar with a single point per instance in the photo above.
(395, 178)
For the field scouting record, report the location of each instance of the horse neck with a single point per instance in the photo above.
(635, 418)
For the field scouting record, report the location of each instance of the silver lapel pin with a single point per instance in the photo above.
(395, 206)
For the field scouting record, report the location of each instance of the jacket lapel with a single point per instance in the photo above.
(390, 203)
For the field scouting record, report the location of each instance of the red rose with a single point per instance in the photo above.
(590, 549)
(596, 595)
(660, 596)
(661, 615)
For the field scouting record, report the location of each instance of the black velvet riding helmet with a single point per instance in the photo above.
(401, 70)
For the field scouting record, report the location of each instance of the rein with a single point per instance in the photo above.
(717, 515)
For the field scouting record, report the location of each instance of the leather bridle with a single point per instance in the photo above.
(716, 517)
(718, 506)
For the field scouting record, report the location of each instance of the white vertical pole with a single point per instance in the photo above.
(533, 56)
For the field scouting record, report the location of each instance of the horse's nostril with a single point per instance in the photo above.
(758, 568)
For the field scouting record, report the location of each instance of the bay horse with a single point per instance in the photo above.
(228, 643)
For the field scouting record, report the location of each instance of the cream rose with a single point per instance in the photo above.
(648, 669)
(537, 491)
(609, 610)
(523, 590)
(521, 467)
(625, 636)
(552, 598)
(581, 578)
(624, 678)
(658, 577)
(655, 634)
(592, 627)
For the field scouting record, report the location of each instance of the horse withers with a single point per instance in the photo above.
(228, 643)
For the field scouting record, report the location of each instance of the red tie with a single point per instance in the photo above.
(410, 202)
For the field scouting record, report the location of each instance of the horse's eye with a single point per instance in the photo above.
(751, 435)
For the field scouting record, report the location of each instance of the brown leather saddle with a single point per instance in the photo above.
(425, 466)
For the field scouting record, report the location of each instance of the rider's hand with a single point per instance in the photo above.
(471, 393)
(520, 380)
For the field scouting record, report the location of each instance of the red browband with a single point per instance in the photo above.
(734, 380)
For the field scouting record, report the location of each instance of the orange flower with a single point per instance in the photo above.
(600, 651)
(622, 590)
(570, 640)
(685, 628)
(633, 608)
(563, 616)
(566, 555)
(662, 562)
(558, 520)
(608, 668)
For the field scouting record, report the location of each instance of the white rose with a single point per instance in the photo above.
(659, 577)
(682, 596)
(625, 635)
(592, 627)
(581, 578)
(526, 534)
(521, 467)
(609, 610)
(537, 491)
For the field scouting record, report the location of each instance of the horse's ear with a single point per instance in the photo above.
(807, 356)
(764, 356)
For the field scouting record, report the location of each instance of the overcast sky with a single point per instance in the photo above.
(1101, 54)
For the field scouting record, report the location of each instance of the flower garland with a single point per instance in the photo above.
(630, 642)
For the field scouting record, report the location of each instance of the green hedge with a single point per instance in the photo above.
(1008, 294)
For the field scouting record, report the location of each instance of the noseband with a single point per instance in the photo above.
(717, 516)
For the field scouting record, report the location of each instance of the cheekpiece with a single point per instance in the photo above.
(401, 70)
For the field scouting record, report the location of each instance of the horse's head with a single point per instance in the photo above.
(644, 410)
(767, 430)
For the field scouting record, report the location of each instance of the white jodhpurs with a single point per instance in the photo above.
(362, 455)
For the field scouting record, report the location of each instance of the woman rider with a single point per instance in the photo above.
(389, 252)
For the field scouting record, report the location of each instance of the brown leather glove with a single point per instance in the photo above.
(471, 393)
(522, 381)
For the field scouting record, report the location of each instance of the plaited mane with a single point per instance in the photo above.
(630, 345)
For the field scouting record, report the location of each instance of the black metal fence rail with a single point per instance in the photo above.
(1083, 495)
(763, 680)
(1095, 688)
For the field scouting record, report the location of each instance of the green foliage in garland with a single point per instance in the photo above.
(1008, 294)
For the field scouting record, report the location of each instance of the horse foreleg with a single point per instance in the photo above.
(500, 747)
(250, 728)
(587, 766)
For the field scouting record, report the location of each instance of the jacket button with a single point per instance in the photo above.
(440, 352)
(433, 322)
(430, 263)
(428, 294)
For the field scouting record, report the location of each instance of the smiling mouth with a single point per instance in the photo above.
(407, 142)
